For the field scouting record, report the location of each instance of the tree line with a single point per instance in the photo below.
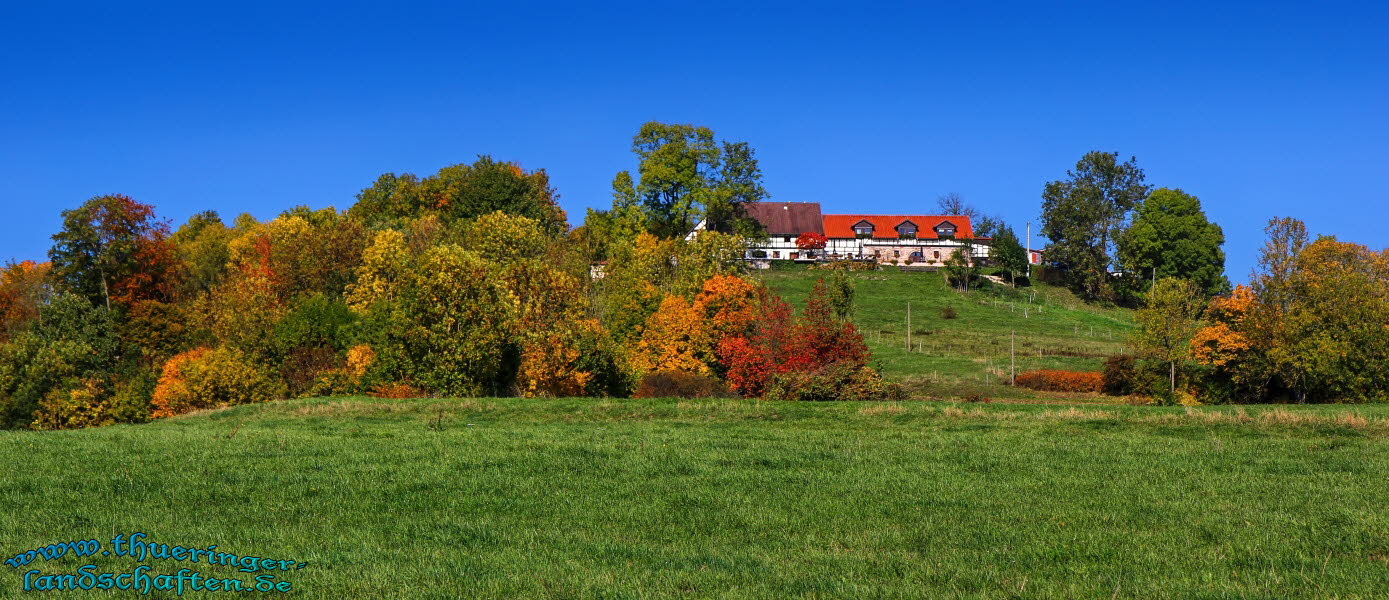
(466, 282)
(1312, 326)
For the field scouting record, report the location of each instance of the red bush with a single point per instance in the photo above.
(1052, 380)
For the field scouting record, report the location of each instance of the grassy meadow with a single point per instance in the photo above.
(514, 498)
(1054, 330)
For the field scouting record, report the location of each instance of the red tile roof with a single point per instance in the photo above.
(885, 226)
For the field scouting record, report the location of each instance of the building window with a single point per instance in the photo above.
(787, 239)
(937, 253)
(906, 230)
(896, 253)
(776, 254)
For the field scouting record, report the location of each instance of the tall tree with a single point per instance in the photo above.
(1171, 237)
(739, 184)
(113, 249)
(1167, 323)
(677, 164)
(1083, 214)
(1337, 324)
(683, 174)
(1273, 286)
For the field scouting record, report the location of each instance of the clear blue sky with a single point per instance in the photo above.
(1259, 109)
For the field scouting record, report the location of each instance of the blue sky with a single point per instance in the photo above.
(1260, 109)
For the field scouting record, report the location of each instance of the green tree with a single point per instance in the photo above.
(1171, 237)
(462, 192)
(1083, 214)
(201, 246)
(961, 267)
(841, 295)
(1007, 252)
(683, 173)
(1167, 322)
(72, 340)
(739, 184)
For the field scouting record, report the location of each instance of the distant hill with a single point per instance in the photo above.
(1054, 329)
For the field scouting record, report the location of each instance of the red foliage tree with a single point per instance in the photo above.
(780, 344)
(811, 241)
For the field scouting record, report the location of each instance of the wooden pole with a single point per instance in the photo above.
(909, 326)
(1012, 358)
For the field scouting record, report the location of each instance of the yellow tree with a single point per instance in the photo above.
(1167, 322)
(676, 339)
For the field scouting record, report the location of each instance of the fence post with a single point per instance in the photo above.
(1012, 359)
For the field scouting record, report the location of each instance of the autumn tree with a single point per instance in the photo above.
(113, 250)
(1224, 346)
(675, 339)
(23, 288)
(1337, 323)
(821, 339)
(1274, 288)
(302, 251)
(810, 242)
(501, 238)
(201, 247)
(446, 325)
(1083, 214)
(1167, 322)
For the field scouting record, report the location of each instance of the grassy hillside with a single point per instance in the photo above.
(1053, 328)
(740, 499)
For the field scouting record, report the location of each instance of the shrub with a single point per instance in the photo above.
(94, 402)
(1051, 380)
(681, 385)
(1117, 378)
(839, 381)
(1125, 375)
(747, 365)
(206, 378)
(303, 367)
(82, 405)
(948, 313)
(397, 391)
(975, 397)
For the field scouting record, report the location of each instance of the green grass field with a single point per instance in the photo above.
(971, 351)
(739, 499)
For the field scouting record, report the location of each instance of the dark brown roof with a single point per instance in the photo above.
(788, 218)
